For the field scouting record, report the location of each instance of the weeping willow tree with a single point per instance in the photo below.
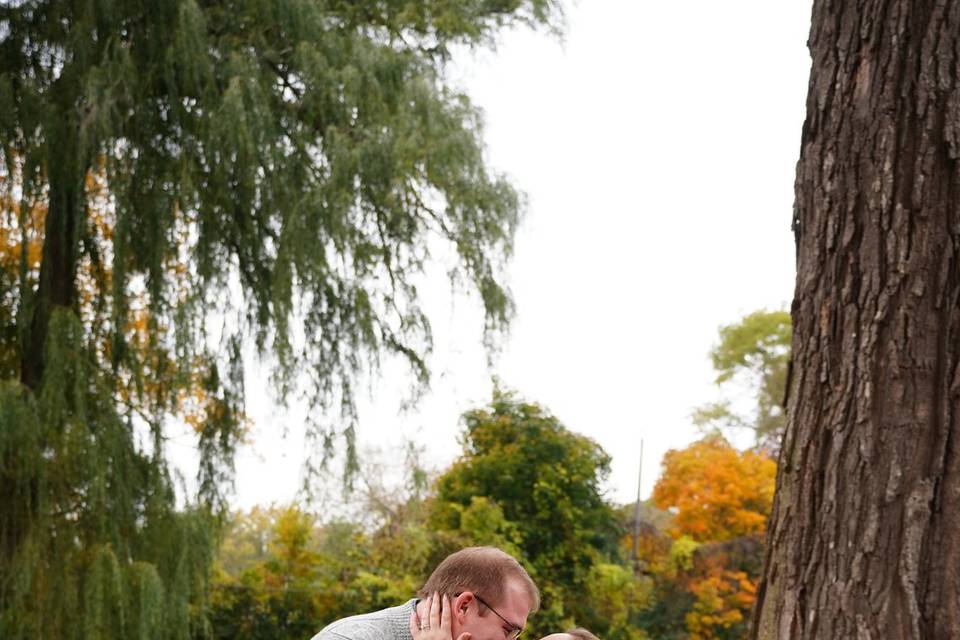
(179, 179)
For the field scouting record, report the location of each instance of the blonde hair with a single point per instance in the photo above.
(483, 570)
(581, 634)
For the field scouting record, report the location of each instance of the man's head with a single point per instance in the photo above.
(490, 593)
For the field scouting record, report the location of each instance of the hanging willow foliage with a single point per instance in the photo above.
(180, 177)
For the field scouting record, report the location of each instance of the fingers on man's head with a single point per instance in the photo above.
(435, 604)
(445, 613)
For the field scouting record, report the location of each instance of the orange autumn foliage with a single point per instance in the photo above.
(716, 492)
(10, 234)
(724, 601)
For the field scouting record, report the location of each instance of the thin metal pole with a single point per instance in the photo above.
(636, 516)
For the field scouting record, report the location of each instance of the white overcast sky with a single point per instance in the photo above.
(657, 144)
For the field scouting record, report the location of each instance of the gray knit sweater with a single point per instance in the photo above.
(386, 624)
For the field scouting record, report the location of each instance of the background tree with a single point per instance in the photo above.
(723, 580)
(666, 563)
(753, 356)
(716, 492)
(246, 539)
(862, 540)
(273, 596)
(704, 583)
(547, 482)
(190, 175)
(613, 596)
(284, 572)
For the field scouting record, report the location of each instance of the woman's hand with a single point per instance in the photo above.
(438, 625)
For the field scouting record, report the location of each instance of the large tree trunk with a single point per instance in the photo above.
(864, 539)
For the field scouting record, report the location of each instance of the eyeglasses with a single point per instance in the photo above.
(517, 630)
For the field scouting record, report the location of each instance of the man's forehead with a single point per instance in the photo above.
(517, 600)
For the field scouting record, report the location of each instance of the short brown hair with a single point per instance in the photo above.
(484, 570)
(581, 634)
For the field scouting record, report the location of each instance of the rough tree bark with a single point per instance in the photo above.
(864, 539)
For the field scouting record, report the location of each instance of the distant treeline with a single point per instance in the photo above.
(535, 489)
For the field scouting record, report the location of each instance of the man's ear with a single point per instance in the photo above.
(461, 605)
